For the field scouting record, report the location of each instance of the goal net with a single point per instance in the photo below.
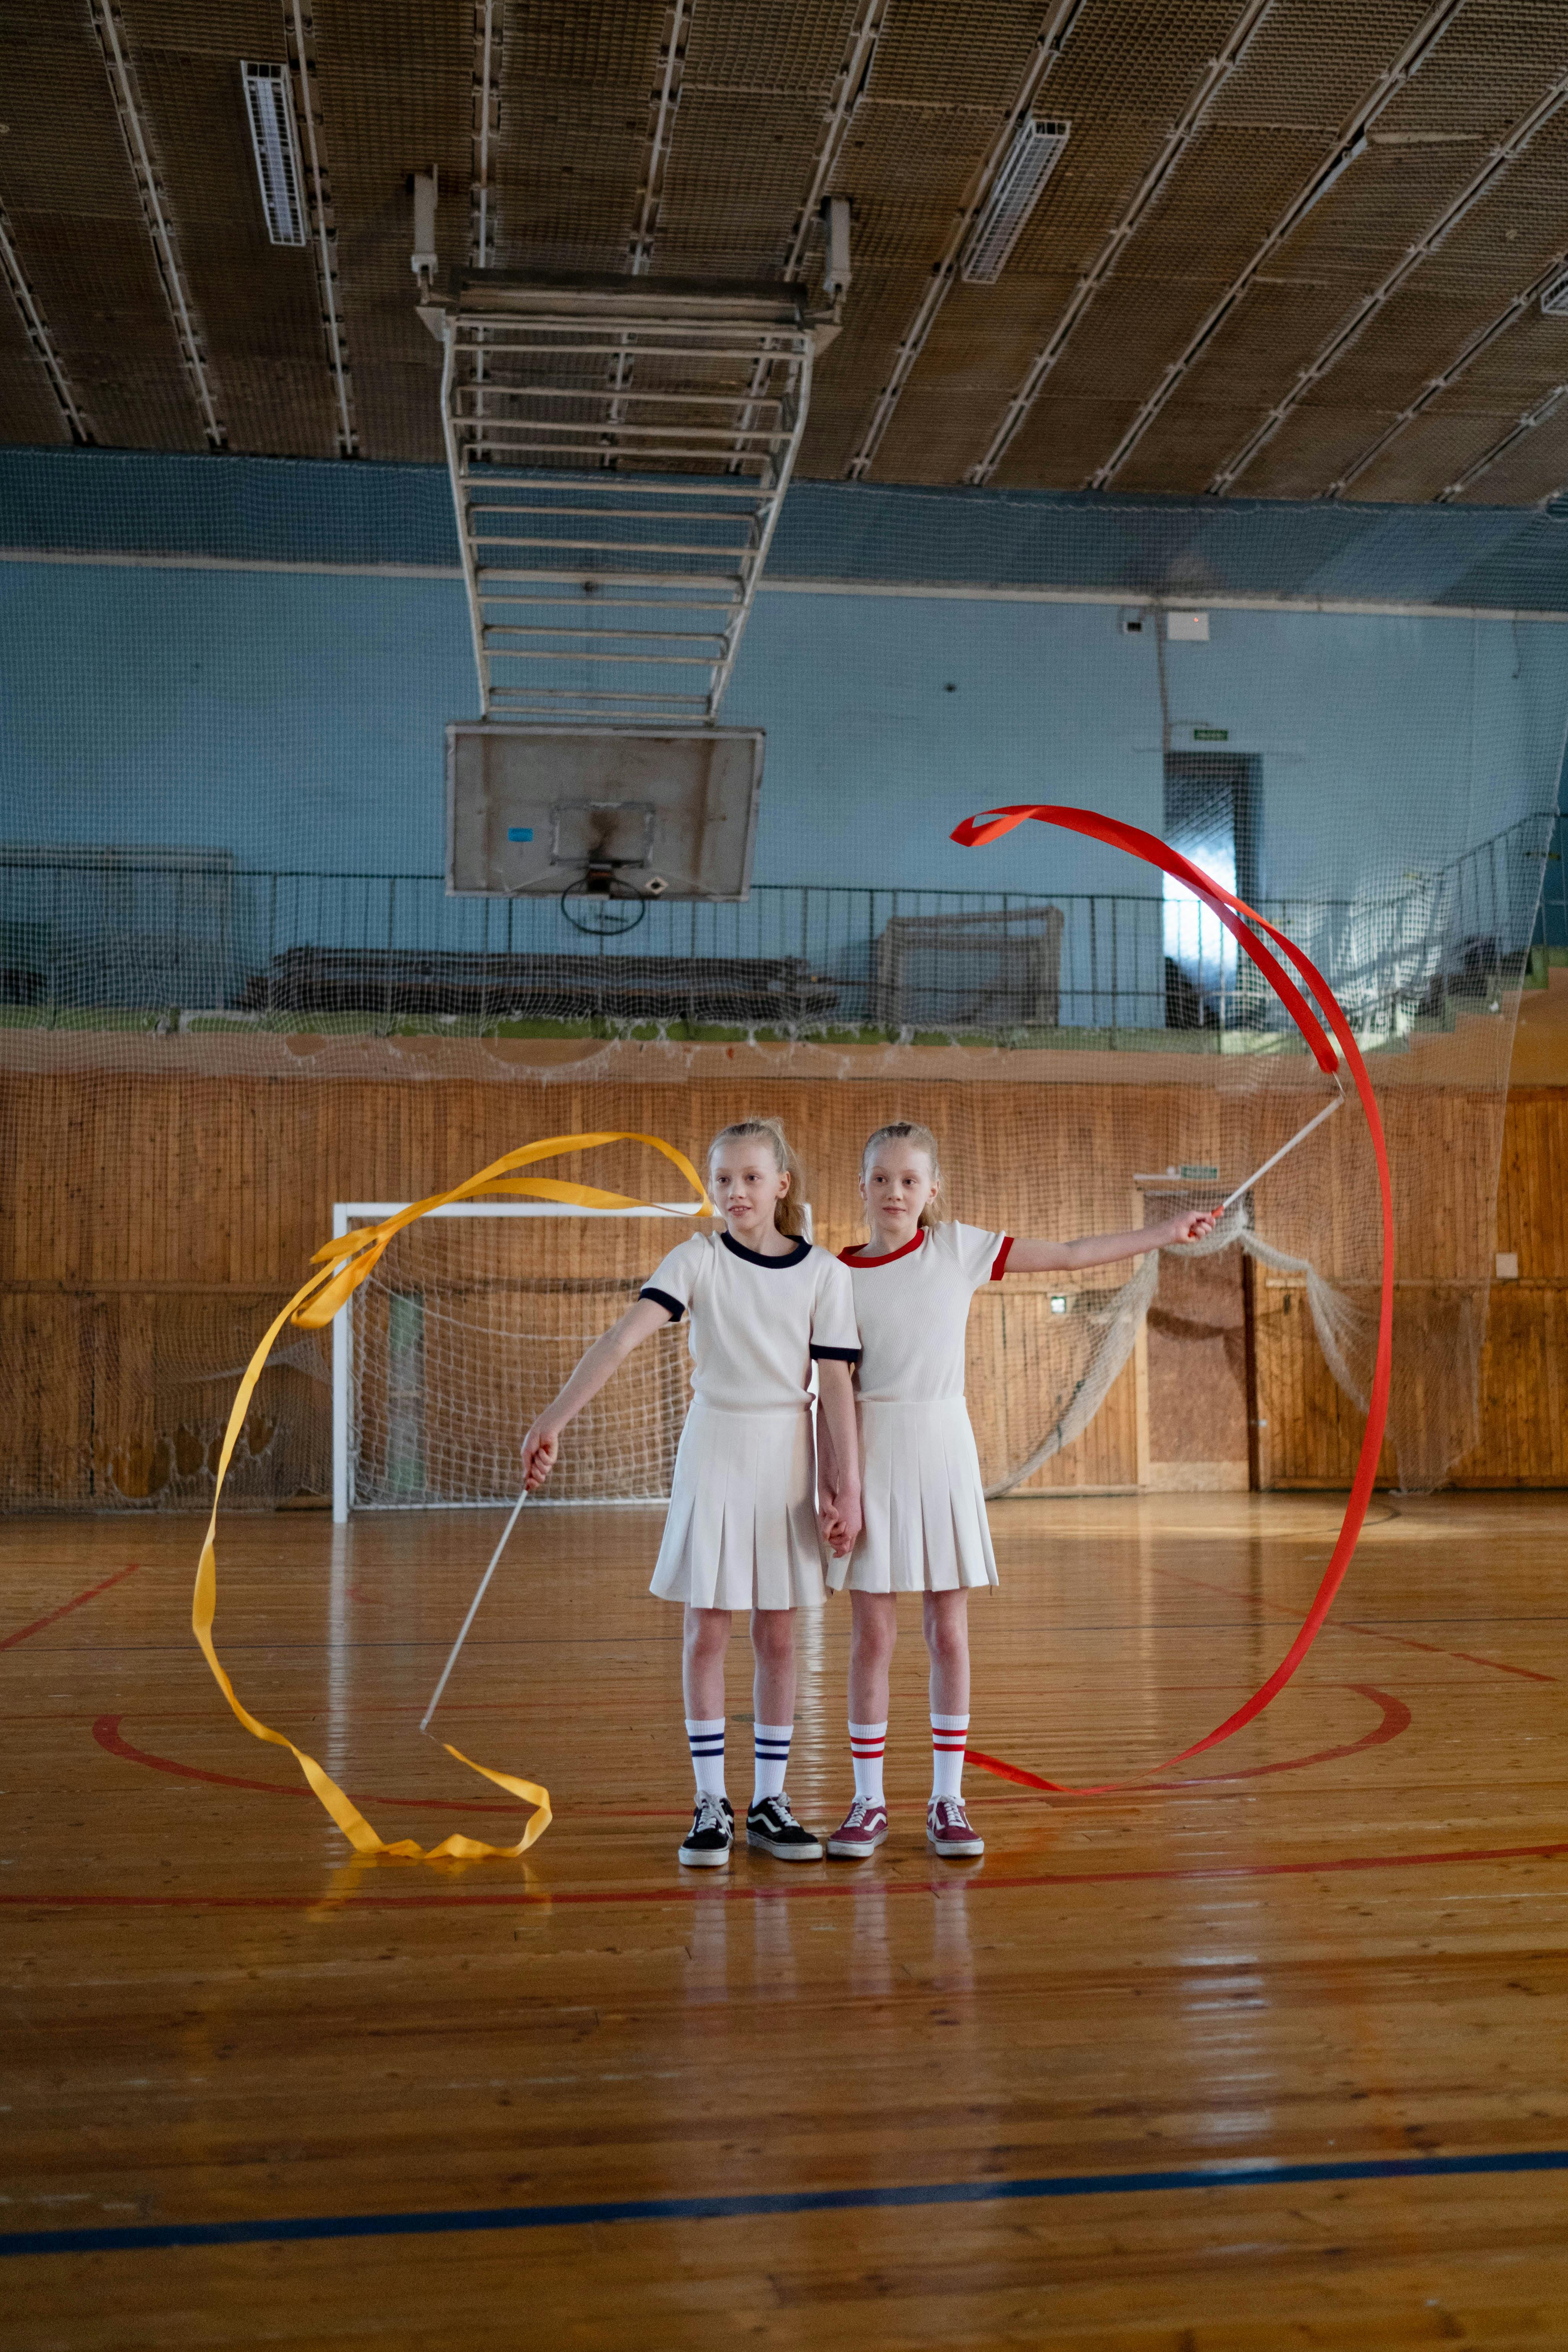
(466, 1330)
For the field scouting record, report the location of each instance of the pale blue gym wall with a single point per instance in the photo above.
(295, 719)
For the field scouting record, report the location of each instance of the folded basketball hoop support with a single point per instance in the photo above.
(617, 446)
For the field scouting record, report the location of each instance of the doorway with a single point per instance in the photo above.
(1213, 810)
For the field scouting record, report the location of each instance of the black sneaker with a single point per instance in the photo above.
(774, 1827)
(706, 1845)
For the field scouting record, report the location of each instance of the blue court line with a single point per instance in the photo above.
(151, 2236)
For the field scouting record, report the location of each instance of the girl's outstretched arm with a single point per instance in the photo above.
(600, 1363)
(1104, 1249)
(838, 1456)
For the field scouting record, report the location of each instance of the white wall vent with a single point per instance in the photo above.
(1030, 161)
(270, 113)
(1554, 302)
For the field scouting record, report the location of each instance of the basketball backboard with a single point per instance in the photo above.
(534, 812)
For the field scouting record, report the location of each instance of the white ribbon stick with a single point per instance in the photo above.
(473, 1609)
(1299, 1137)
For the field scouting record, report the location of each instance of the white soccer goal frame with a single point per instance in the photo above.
(346, 1212)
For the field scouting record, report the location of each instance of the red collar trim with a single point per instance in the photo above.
(853, 1257)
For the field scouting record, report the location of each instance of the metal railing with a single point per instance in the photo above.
(1551, 921)
(88, 935)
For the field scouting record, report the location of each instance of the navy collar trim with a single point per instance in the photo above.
(754, 1257)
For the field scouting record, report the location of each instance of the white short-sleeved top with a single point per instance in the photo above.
(912, 1306)
(757, 1322)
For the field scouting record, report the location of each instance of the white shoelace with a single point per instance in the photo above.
(709, 1815)
(855, 1817)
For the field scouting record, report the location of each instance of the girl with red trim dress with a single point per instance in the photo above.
(922, 1502)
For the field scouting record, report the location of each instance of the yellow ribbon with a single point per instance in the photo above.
(344, 1264)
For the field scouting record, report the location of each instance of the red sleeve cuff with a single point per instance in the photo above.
(999, 1265)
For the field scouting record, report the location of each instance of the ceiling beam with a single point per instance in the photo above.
(1468, 353)
(109, 24)
(1350, 332)
(1526, 425)
(299, 31)
(36, 329)
(1048, 48)
(849, 88)
(663, 103)
(1144, 198)
(488, 36)
(1351, 144)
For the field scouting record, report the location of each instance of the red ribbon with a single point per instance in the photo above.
(971, 834)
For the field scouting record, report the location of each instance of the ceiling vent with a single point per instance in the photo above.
(1554, 302)
(1031, 159)
(271, 117)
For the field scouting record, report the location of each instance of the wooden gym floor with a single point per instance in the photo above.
(1272, 2056)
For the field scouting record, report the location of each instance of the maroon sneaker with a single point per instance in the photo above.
(948, 1830)
(864, 1827)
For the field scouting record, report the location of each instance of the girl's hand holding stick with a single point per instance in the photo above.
(1186, 1226)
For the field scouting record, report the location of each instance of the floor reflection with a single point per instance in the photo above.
(707, 1977)
(870, 1962)
(952, 1953)
(773, 1945)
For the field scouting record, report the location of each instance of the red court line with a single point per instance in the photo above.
(1527, 1674)
(974, 1881)
(64, 1609)
(107, 1733)
(1396, 1719)
(1372, 1633)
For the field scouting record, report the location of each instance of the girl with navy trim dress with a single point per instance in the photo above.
(749, 1519)
(923, 1506)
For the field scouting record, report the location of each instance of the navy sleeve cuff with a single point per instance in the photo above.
(662, 1299)
(835, 1355)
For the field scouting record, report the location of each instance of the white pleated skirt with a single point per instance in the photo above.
(925, 1527)
(742, 1531)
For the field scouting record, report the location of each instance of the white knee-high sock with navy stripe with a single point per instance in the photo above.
(707, 1743)
(772, 1743)
(866, 1744)
(949, 1738)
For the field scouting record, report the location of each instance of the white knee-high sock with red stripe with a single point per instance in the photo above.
(867, 1743)
(949, 1738)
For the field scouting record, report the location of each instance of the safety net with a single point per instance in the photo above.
(236, 997)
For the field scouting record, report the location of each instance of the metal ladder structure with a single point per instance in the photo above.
(618, 446)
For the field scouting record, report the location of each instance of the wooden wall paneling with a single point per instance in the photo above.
(1523, 1438)
(161, 1179)
(40, 1337)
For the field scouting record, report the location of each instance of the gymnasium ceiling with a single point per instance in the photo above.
(1293, 248)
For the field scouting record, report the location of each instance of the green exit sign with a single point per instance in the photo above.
(1197, 1173)
(1211, 734)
